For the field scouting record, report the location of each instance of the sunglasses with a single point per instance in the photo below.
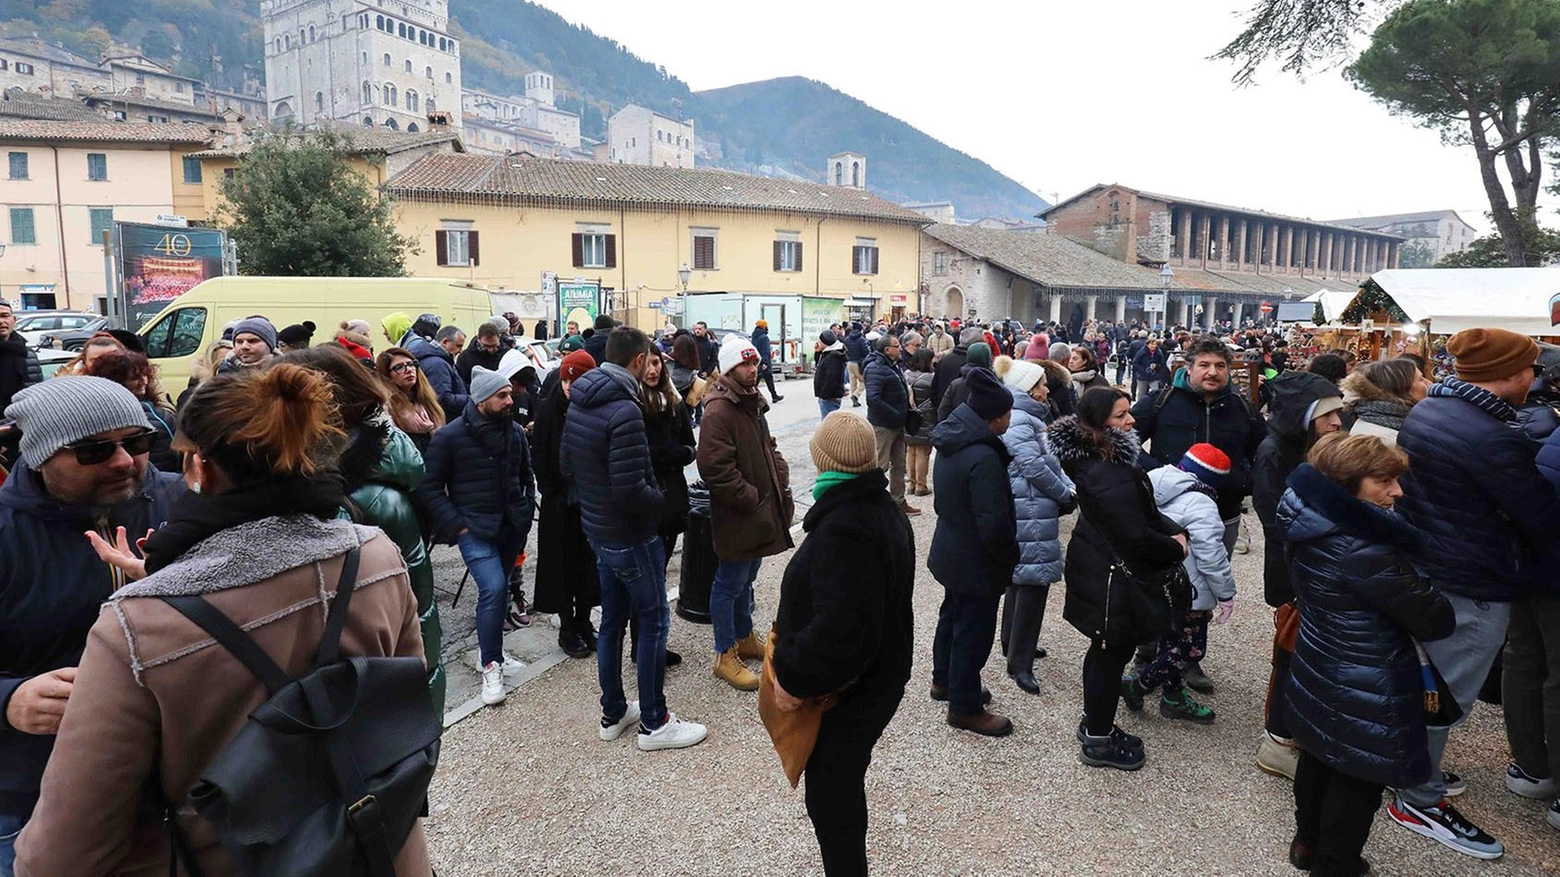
(404, 366)
(93, 453)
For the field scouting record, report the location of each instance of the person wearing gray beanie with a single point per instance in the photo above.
(484, 383)
(254, 345)
(67, 409)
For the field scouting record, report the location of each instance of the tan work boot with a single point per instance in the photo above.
(730, 668)
(750, 647)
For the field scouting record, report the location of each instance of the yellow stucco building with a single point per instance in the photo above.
(504, 221)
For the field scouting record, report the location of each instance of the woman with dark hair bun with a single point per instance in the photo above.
(1121, 544)
(156, 701)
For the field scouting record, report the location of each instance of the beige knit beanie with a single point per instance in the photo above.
(844, 443)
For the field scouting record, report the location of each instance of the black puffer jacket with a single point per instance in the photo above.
(1284, 448)
(945, 372)
(672, 447)
(975, 546)
(1228, 422)
(607, 457)
(1355, 692)
(829, 372)
(1118, 519)
(479, 477)
(845, 599)
(1473, 487)
(19, 368)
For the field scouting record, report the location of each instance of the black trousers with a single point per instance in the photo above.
(966, 627)
(1277, 722)
(769, 381)
(836, 778)
(1102, 669)
(1333, 814)
(1023, 611)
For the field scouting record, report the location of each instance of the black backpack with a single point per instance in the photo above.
(331, 772)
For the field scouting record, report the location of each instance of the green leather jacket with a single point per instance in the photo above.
(385, 501)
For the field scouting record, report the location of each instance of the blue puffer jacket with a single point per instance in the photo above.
(439, 368)
(1355, 690)
(1150, 365)
(478, 477)
(1549, 460)
(51, 587)
(1474, 489)
(761, 344)
(888, 396)
(606, 455)
(1040, 489)
(856, 347)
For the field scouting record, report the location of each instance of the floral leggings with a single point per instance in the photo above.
(1175, 652)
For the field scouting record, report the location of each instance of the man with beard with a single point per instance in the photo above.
(83, 468)
(479, 493)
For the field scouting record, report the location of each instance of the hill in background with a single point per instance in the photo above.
(780, 127)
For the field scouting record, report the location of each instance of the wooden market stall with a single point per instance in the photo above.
(1416, 309)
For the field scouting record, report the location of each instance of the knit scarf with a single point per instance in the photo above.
(1479, 397)
(1382, 412)
(827, 480)
(196, 517)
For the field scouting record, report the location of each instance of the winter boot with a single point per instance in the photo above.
(1196, 679)
(1132, 693)
(729, 668)
(1110, 752)
(1179, 705)
(751, 647)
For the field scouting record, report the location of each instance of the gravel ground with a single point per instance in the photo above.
(527, 788)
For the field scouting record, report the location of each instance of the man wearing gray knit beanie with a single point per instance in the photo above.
(84, 468)
(254, 345)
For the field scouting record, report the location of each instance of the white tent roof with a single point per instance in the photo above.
(1454, 299)
(1333, 301)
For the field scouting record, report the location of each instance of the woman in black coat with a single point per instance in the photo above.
(845, 628)
(669, 432)
(566, 579)
(1356, 692)
(1118, 521)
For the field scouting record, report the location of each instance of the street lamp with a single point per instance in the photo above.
(1165, 276)
(2, 285)
(683, 274)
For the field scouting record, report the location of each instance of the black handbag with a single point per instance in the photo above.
(331, 772)
(1160, 601)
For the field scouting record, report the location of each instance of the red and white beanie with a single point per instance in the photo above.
(1207, 463)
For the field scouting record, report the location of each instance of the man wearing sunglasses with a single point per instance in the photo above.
(84, 468)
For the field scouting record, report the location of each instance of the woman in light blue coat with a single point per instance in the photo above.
(1042, 493)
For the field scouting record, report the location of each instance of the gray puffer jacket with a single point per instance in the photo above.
(1040, 489)
(1207, 563)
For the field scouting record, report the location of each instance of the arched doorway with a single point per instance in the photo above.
(953, 302)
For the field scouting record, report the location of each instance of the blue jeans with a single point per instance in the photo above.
(489, 564)
(633, 581)
(827, 406)
(731, 601)
(10, 827)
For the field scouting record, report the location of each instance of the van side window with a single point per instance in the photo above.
(178, 334)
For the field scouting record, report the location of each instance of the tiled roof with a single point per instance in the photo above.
(1207, 205)
(29, 105)
(365, 140)
(152, 103)
(37, 48)
(1374, 222)
(103, 131)
(540, 179)
(1046, 259)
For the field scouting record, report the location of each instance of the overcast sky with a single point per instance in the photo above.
(1061, 96)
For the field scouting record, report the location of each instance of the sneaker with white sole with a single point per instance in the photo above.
(1524, 784)
(512, 665)
(1443, 824)
(675, 734)
(1455, 784)
(493, 683)
(1554, 815)
(610, 732)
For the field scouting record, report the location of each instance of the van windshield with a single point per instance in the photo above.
(176, 334)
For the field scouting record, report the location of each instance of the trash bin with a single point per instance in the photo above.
(698, 558)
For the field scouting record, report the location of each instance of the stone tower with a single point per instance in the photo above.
(847, 169)
(369, 62)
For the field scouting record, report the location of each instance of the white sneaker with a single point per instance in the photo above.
(512, 665)
(675, 734)
(1527, 786)
(493, 683)
(630, 717)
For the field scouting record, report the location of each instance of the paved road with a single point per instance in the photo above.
(526, 788)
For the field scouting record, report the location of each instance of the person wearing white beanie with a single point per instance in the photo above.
(734, 351)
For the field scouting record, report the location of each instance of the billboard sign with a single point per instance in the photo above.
(158, 263)
(578, 302)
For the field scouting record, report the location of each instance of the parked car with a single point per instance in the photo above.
(51, 360)
(72, 339)
(33, 325)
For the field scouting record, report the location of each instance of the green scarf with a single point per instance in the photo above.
(827, 480)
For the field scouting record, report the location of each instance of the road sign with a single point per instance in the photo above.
(1267, 307)
(1154, 302)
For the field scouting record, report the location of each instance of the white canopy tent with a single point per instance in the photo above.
(1454, 299)
(1333, 301)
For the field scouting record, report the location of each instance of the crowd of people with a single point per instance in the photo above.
(1410, 529)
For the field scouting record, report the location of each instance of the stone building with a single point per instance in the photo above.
(388, 62)
(531, 121)
(637, 135)
(847, 169)
(1429, 236)
(45, 68)
(1238, 255)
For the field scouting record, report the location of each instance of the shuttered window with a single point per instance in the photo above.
(703, 258)
(23, 229)
(594, 250)
(864, 259)
(788, 255)
(456, 247)
(97, 166)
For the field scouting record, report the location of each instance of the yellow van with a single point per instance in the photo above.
(178, 336)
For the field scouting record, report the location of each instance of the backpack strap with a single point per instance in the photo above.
(336, 621)
(231, 637)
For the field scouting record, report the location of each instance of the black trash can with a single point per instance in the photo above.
(698, 558)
